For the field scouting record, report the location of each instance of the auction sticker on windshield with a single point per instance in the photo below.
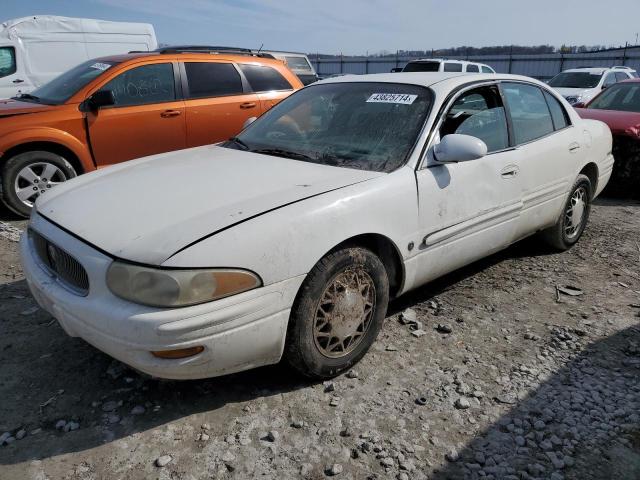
(402, 98)
(100, 66)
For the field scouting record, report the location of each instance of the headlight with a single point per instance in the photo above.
(176, 288)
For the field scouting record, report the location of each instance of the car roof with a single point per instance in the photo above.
(599, 69)
(437, 80)
(452, 60)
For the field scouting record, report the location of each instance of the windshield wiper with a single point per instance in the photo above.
(237, 141)
(279, 152)
(27, 96)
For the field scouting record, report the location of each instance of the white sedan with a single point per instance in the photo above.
(290, 239)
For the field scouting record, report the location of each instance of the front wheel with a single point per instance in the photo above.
(338, 313)
(28, 175)
(573, 220)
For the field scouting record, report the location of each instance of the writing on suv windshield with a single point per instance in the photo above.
(575, 80)
(64, 86)
(364, 125)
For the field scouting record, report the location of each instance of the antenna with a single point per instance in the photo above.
(260, 49)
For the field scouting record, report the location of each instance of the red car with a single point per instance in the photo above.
(619, 107)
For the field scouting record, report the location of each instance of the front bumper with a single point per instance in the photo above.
(238, 333)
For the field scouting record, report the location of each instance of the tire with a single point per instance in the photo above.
(564, 234)
(32, 172)
(324, 312)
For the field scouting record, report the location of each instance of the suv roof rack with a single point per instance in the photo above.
(206, 49)
(621, 67)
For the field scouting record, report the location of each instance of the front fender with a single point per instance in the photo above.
(289, 241)
(50, 135)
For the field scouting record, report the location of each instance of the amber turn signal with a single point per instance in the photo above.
(180, 353)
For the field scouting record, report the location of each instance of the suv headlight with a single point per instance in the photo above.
(156, 287)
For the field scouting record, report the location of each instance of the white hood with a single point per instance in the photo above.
(147, 209)
(574, 92)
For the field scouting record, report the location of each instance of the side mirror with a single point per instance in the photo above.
(579, 105)
(248, 122)
(396, 70)
(99, 99)
(459, 148)
(604, 87)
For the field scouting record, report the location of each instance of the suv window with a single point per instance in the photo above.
(264, 79)
(7, 61)
(479, 113)
(152, 83)
(558, 113)
(609, 80)
(452, 67)
(212, 79)
(422, 67)
(620, 76)
(486, 70)
(529, 112)
(472, 68)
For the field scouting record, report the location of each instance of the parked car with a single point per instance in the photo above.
(619, 107)
(579, 85)
(290, 239)
(444, 65)
(298, 63)
(34, 50)
(117, 108)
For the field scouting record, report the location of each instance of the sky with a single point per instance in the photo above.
(360, 26)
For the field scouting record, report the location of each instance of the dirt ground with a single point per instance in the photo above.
(514, 379)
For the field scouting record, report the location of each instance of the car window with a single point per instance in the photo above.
(7, 61)
(622, 96)
(529, 112)
(472, 68)
(452, 67)
(575, 80)
(152, 83)
(263, 78)
(486, 70)
(609, 79)
(620, 76)
(212, 79)
(558, 113)
(297, 63)
(422, 67)
(479, 113)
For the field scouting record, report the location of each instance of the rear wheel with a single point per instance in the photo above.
(573, 220)
(338, 313)
(28, 175)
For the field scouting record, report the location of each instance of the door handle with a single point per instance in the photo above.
(246, 105)
(18, 80)
(170, 113)
(510, 171)
(574, 147)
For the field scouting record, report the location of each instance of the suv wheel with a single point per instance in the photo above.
(28, 175)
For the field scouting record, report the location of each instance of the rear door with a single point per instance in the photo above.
(549, 146)
(217, 101)
(267, 82)
(147, 118)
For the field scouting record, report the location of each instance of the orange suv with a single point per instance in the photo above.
(113, 109)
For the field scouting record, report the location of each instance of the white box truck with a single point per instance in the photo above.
(34, 50)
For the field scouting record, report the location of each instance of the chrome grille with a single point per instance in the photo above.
(60, 264)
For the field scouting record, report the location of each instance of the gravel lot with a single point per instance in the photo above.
(517, 377)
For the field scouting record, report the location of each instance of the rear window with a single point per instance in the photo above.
(209, 79)
(422, 67)
(297, 63)
(264, 79)
(452, 67)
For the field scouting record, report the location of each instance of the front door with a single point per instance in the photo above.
(147, 118)
(470, 209)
